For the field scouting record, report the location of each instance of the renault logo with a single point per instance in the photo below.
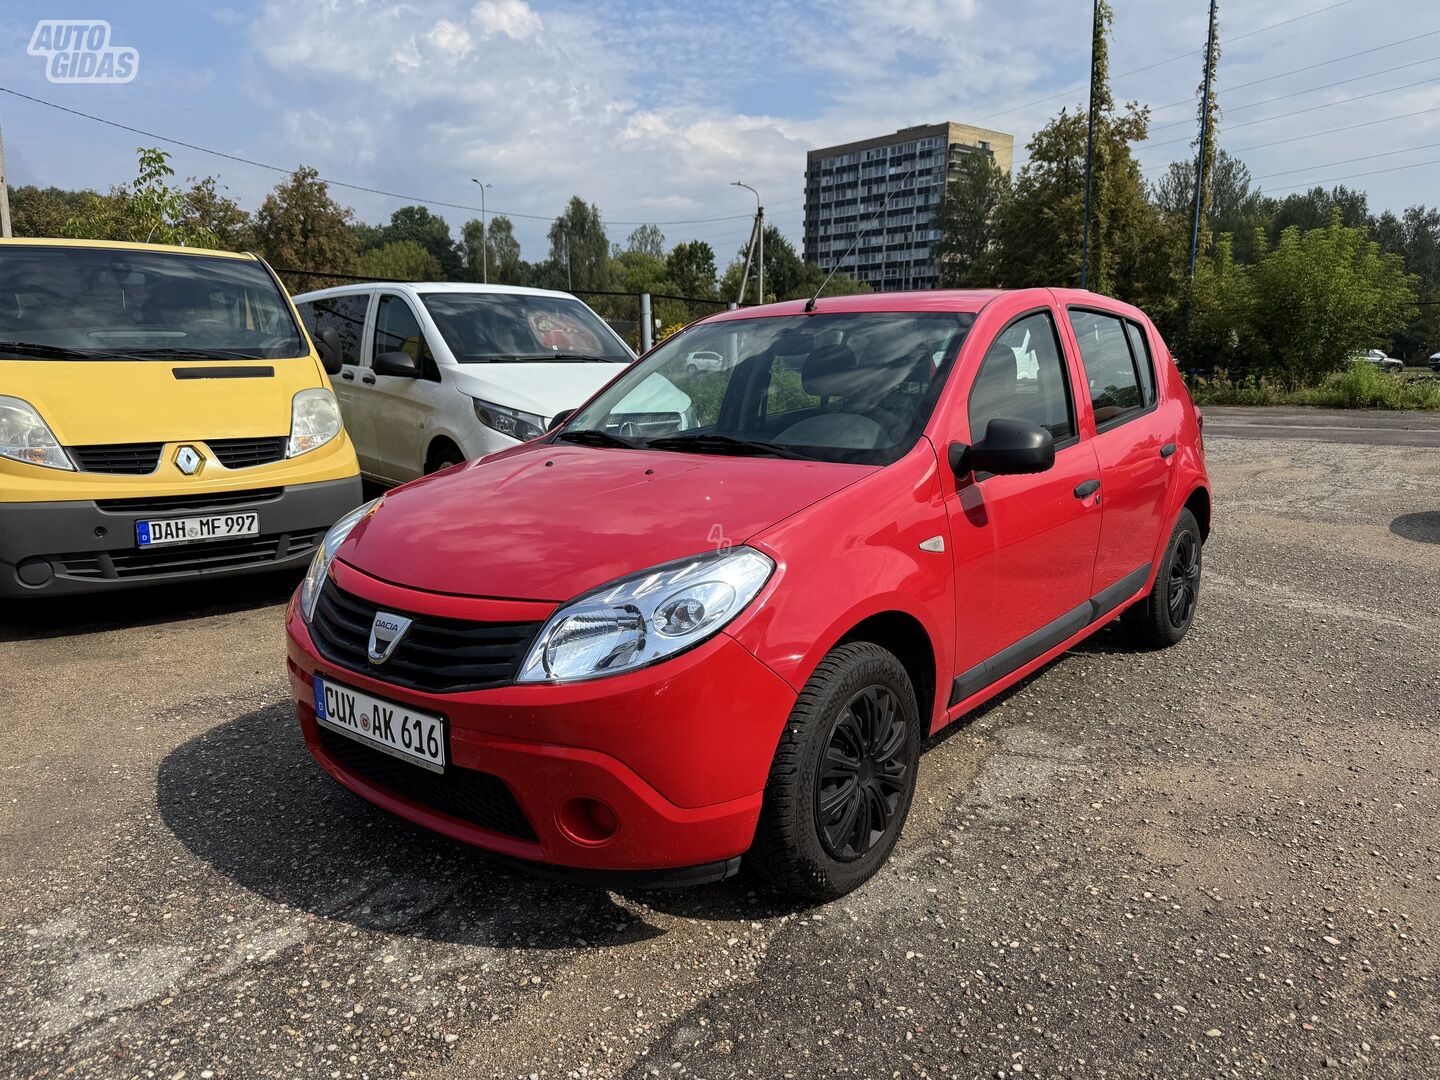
(188, 460)
(385, 633)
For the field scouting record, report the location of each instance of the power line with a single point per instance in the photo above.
(1356, 176)
(1349, 161)
(1307, 109)
(338, 183)
(1302, 93)
(1307, 67)
(1168, 60)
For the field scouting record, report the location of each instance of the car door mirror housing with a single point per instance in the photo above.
(560, 418)
(397, 363)
(332, 353)
(1011, 447)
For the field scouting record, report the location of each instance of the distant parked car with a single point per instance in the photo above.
(1434, 362)
(1378, 358)
(435, 374)
(704, 360)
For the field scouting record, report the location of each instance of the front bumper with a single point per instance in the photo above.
(678, 753)
(85, 546)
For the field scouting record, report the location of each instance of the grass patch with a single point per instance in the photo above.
(1359, 386)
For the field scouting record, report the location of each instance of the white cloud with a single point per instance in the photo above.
(513, 18)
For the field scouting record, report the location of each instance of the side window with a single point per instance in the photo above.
(1143, 363)
(397, 329)
(1023, 378)
(1109, 367)
(343, 314)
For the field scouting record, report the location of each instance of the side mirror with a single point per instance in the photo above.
(397, 363)
(1011, 447)
(332, 353)
(560, 418)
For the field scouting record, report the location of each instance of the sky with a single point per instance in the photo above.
(651, 108)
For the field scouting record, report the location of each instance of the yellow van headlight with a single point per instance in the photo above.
(24, 436)
(314, 421)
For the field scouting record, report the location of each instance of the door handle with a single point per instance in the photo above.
(1167, 449)
(348, 375)
(368, 379)
(1086, 489)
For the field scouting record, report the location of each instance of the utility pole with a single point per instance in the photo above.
(484, 244)
(1089, 152)
(1204, 136)
(760, 234)
(745, 273)
(4, 192)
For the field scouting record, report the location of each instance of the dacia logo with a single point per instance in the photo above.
(386, 631)
(188, 460)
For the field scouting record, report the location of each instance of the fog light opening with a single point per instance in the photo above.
(588, 821)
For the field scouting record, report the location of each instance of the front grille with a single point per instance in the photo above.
(187, 558)
(476, 797)
(133, 459)
(247, 453)
(442, 656)
(216, 501)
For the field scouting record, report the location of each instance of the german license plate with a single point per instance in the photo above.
(397, 730)
(190, 530)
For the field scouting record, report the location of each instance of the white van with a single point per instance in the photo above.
(439, 373)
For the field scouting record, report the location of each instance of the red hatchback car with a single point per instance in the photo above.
(714, 613)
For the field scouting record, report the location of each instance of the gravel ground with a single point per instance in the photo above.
(1220, 860)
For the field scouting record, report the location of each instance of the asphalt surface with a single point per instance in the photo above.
(1220, 860)
(1372, 427)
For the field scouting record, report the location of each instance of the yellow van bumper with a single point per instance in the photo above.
(78, 546)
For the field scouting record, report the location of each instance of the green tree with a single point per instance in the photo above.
(206, 208)
(37, 211)
(150, 210)
(578, 240)
(647, 240)
(300, 228)
(691, 266)
(1207, 116)
(966, 219)
(429, 230)
(400, 260)
(503, 264)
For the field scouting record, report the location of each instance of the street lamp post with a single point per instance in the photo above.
(760, 240)
(484, 245)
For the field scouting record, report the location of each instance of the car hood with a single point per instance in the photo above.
(541, 389)
(548, 522)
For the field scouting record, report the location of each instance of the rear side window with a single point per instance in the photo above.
(1023, 378)
(343, 314)
(1109, 367)
(1143, 363)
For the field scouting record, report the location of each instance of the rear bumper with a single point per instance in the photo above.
(64, 548)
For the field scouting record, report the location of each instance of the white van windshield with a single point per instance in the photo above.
(79, 303)
(487, 328)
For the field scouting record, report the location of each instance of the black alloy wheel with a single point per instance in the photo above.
(863, 774)
(1184, 584)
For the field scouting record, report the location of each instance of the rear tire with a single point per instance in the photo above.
(1165, 616)
(843, 777)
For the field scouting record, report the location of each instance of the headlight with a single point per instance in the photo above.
(314, 421)
(644, 618)
(325, 555)
(25, 437)
(521, 426)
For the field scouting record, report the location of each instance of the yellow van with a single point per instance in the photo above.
(163, 416)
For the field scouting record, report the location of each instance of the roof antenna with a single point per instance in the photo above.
(810, 304)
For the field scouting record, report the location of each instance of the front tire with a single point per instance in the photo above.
(1165, 616)
(843, 777)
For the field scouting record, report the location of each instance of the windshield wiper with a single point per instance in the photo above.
(595, 437)
(172, 353)
(584, 358)
(713, 443)
(38, 351)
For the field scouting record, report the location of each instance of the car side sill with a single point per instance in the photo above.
(1016, 656)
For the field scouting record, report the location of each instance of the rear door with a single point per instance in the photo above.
(1135, 441)
(1023, 546)
(404, 409)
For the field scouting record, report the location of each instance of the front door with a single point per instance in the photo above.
(404, 407)
(1024, 546)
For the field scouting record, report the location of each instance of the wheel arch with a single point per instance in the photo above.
(1198, 503)
(439, 444)
(905, 636)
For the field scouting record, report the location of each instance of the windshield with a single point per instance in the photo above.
(484, 328)
(851, 387)
(78, 303)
